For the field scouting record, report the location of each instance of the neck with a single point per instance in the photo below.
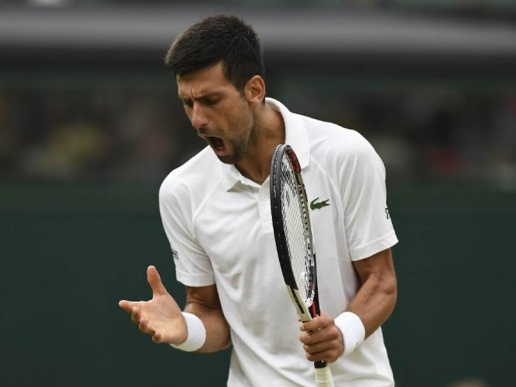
(268, 133)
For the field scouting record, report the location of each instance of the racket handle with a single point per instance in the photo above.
(323, 377)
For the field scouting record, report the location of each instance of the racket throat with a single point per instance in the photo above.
(313, 310)
(302, 310)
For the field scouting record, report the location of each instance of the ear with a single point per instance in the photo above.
(255, 89)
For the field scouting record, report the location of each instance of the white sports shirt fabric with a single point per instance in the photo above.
(219, 227)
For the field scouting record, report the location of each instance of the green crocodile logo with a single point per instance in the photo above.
(314, 205)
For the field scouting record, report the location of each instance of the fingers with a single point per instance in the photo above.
(154, 280)
(315, 337)
(135, 312)
(328, 355)
(145, 327)
(126, 305)
(321, 339)
(138, 318)
(143, 324)
(147, 314)
(318, 322)
(155, 283)
(157, 338)
(322, 345)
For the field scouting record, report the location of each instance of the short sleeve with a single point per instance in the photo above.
(368, 223)
(193, 266)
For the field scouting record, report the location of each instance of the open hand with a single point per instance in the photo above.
(159, 317)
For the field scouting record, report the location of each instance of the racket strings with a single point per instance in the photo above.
(295, 219)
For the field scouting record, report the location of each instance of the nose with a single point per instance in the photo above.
(198, 116)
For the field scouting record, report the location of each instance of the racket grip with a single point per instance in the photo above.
(323, 377)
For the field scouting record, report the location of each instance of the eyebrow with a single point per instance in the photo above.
(201, 97)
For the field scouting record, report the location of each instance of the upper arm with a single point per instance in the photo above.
(378, 267)
(206, 296)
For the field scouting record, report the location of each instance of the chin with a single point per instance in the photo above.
(227, 159)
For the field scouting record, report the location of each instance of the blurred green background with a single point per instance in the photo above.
(90, 125)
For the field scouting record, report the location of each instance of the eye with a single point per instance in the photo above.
(211, 101)
(187, 103)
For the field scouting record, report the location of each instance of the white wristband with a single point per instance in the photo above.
(353, 331)
(196, 334)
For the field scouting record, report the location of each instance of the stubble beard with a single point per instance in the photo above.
(240, 146)
(239, 150)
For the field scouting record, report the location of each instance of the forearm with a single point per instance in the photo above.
(217, 328)
(374, 302)
(376, 298)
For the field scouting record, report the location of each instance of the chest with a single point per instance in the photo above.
(235, 226)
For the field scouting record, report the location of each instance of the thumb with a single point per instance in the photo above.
(154, 280)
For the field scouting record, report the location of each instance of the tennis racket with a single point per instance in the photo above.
(294, 242)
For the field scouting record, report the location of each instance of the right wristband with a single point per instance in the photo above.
(353, 331)
(196, 334)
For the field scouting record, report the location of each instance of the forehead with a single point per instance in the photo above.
(207, 80)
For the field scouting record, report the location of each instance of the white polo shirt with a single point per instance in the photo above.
(219, 226)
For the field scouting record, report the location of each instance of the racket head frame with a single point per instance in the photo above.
(306, 301)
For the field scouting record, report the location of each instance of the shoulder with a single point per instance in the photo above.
(334, 141)
(191, 178)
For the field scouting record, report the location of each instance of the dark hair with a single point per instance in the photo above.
(214, 39)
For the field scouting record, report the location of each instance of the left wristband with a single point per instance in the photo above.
(196, 334)
(353, 331)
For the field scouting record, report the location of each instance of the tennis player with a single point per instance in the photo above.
(216, 214)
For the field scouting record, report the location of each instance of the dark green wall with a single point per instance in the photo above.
(69, 254)
(456, 264)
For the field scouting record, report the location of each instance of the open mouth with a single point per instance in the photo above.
(217, 144)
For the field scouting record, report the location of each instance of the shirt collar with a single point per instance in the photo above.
(295, 135)
(295, 132)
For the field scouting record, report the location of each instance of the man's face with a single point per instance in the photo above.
(218, 111)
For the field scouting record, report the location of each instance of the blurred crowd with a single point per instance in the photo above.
(442, 132)
(87, 135)
(430, 132)
(423, 134)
